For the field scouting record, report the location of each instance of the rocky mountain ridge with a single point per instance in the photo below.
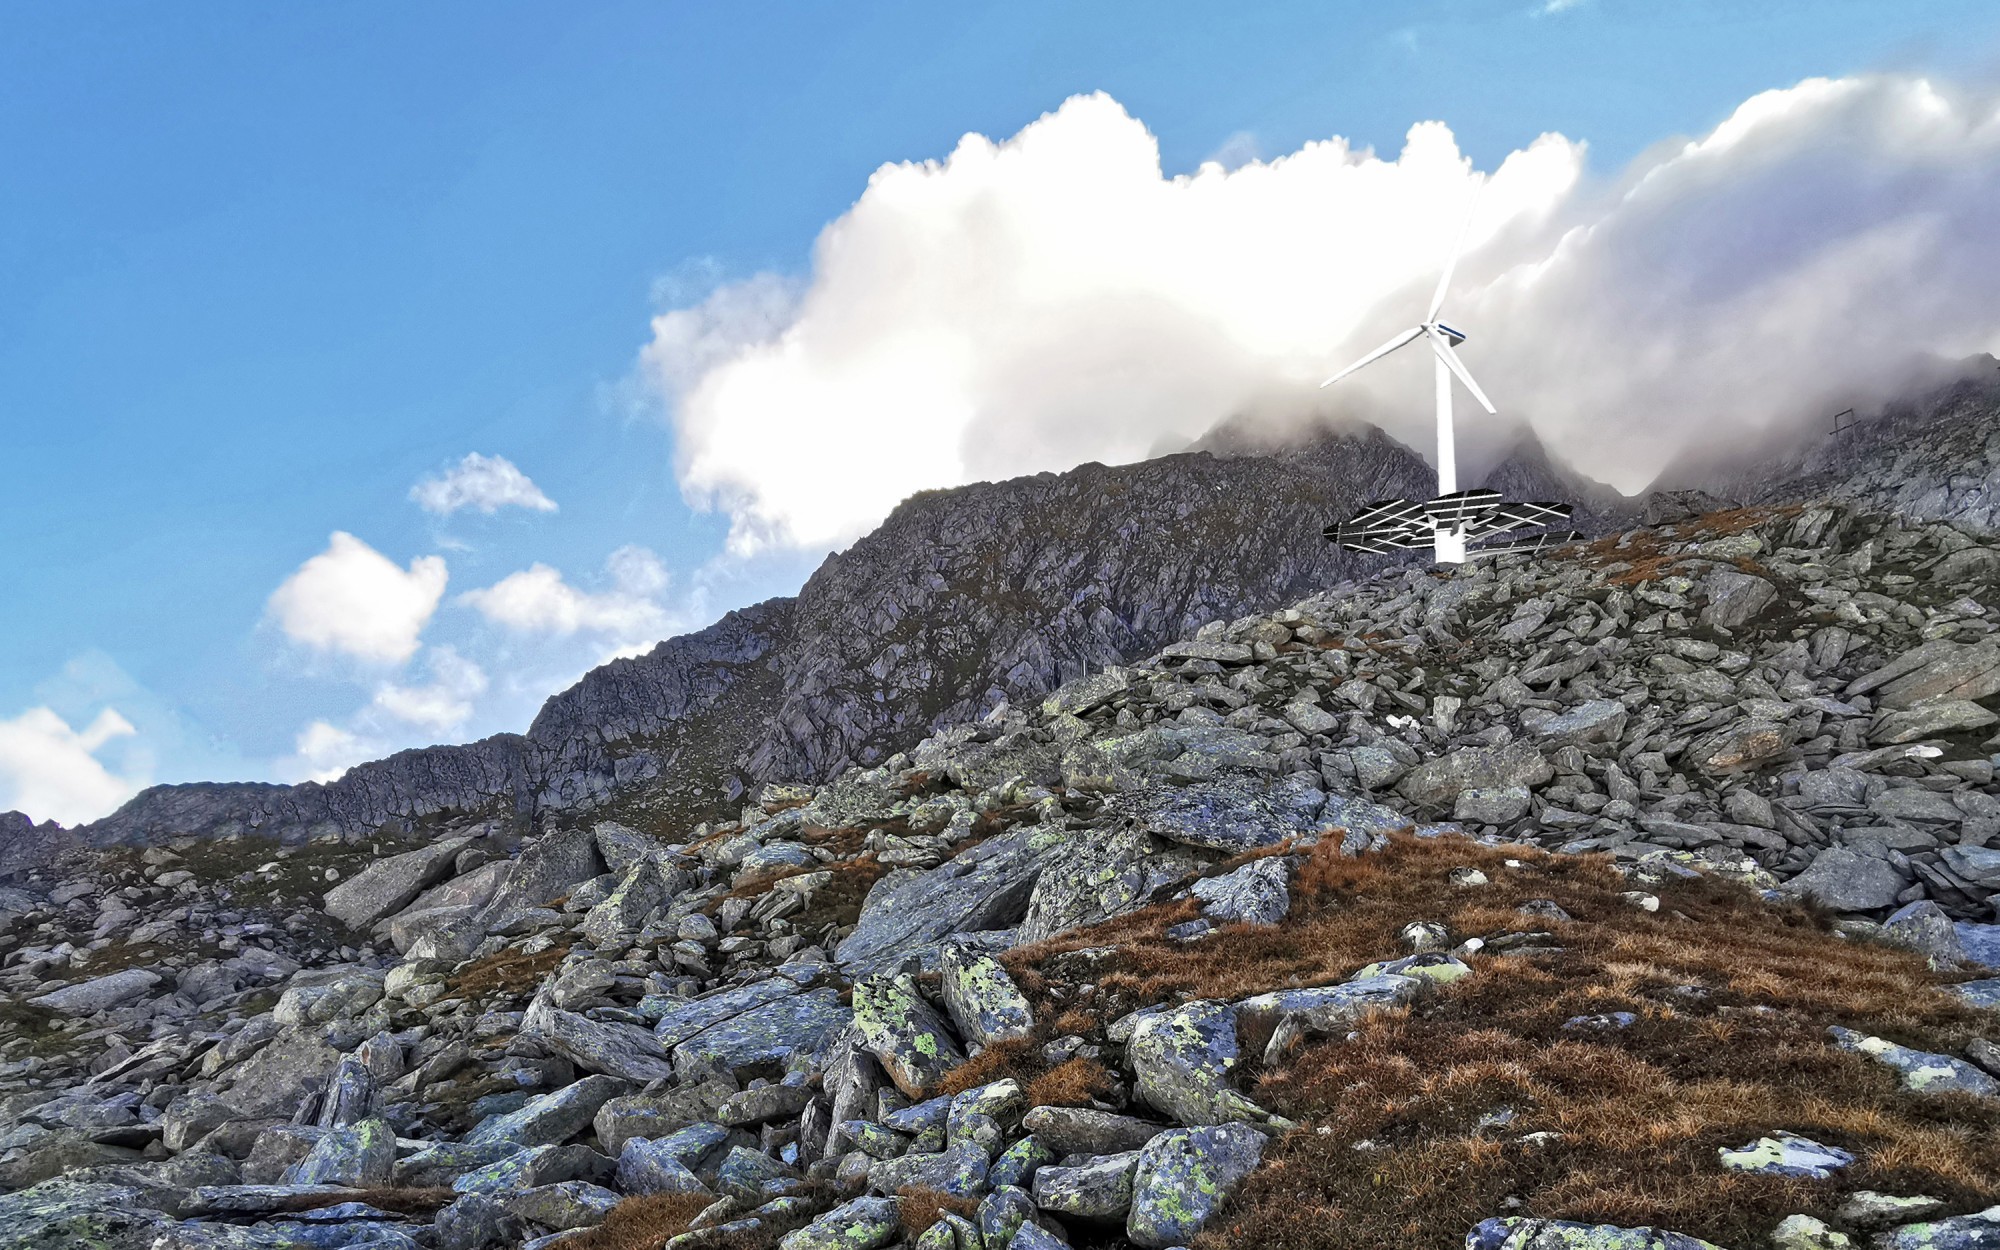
(986, 593)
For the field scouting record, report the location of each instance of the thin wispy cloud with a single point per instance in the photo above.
(485, 484)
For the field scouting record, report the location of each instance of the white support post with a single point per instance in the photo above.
(1449, 542)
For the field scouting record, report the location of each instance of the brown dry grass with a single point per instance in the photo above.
(643, 1223)
(401, 1200)
(504, 972)
(921, 1208)
(1640, 1112)
(1072, 1083)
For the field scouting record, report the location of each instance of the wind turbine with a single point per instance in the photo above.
(1449, 521)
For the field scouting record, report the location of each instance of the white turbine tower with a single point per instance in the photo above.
(1449, 532)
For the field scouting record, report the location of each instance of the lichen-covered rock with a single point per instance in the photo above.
(1978, 1231)
(1227, 816)
(1098, 1189)
(1785, 1154)
(904, 1033)
(537, 1165)
(982, 999)
(1017, 1163)
(82, 1214)
(804, 1024)
(1924, 927)
(753, 1176)
(1002, 1213)
(1923, 1072)
(1184, 1175)
(860, 1224)
(640, 892)
(1085, 880)
(1332, 1009)
(961, 1169)
(360, 1156)
(1183, 1059)
(1256, 893)
(565, 1204)
(1517, 1233)
(984, 887)
(1803, 1232)
(667, 1165)
(682, 1018)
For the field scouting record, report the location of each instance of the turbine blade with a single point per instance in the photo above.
(1390, 346)
(1451, 262)
(1458, 368)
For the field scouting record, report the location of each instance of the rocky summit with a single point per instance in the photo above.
(1637, 894)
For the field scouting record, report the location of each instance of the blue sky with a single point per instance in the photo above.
(263, 268)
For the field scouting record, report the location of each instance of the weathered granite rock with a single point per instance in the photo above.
(667, 1165)
(1735, 598)
(1923, 1072)
(1087, 1131)
(1099, 1189)
(904, 1033)
(1924, 927)
(1930, 720)
(859, 1224)
(1184, 1176)
(1841, 879)
(389, 885)
(625, 1051)
(773, 1033)
(549, 1119)
(1256, 893)
(1218, 816)
(1182, 1060)
(99, 993)
(1085, 880)
(563, 1205)
(982, 999)
(361, 1156)
(1516, 1233)
(984, 887)
(1437, 783)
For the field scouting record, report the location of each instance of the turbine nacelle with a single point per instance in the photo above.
(1453, 337)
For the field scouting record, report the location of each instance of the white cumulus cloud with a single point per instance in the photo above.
(440, 705)
(324, 751)
(1029, 304)
(51, 771)
(487, 483)
(537, 600)
(352, 599)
